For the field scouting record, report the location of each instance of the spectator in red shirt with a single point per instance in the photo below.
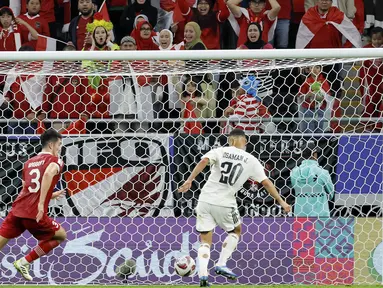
(130, 12)
(78, 36)
(246, 105)
(65, 98)
(371, 75)
(317, 31)
(33, 18)
(193, 102)
(346, 6)
(207, 18)
(143, 35)
(47, 12)
(177, 21)
(254, 38)
(313, 100)
(255, 13)
(12, 35)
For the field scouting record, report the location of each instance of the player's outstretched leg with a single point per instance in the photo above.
(228, 248)
(44, 247)
(203, 258)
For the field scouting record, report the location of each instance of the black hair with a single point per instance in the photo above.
(6, 10)
(30, 1)
(237, 132)
(50, 135)
(26, 48)
(377, 30)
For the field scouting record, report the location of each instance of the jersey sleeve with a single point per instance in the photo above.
(212, 155)
(258, 173)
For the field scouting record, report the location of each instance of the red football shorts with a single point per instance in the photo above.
(13, 227)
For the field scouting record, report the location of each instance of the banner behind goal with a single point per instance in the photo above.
(136, 124)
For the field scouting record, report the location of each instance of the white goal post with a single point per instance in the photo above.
(347, 53)
(135, 124)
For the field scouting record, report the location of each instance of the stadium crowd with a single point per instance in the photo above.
(313, 93)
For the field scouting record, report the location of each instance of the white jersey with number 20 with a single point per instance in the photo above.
(230, 169)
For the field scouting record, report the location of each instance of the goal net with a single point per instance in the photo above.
(134, 126)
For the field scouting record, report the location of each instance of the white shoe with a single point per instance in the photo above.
(23, 269)
(224, 271)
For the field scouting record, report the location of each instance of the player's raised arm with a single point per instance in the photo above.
(51, 171)
(270, 188)
(197, 169)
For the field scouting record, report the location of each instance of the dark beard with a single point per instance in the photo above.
(87, 14)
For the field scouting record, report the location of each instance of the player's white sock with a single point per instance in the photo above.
(228, 247)
(203, 259)
(23, 261)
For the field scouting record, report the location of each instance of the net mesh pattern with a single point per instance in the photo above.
(133, 130)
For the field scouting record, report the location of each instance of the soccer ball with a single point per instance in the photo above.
(126, 269)
(184, 266)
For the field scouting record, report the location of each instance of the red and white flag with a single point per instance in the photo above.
(45, 43)
(32, 86)
(105, 15)
(18, 7)
(312, 22)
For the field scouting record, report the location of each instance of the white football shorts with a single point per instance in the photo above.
(209, 216)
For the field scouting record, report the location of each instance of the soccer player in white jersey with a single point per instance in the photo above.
(231, 167)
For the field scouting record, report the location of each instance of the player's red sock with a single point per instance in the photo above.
(42, 249)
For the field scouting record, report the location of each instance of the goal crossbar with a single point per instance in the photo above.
(270, 54)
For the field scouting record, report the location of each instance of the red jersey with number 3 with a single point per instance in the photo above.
(25, 206)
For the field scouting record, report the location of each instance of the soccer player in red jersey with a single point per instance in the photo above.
(29, 211)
